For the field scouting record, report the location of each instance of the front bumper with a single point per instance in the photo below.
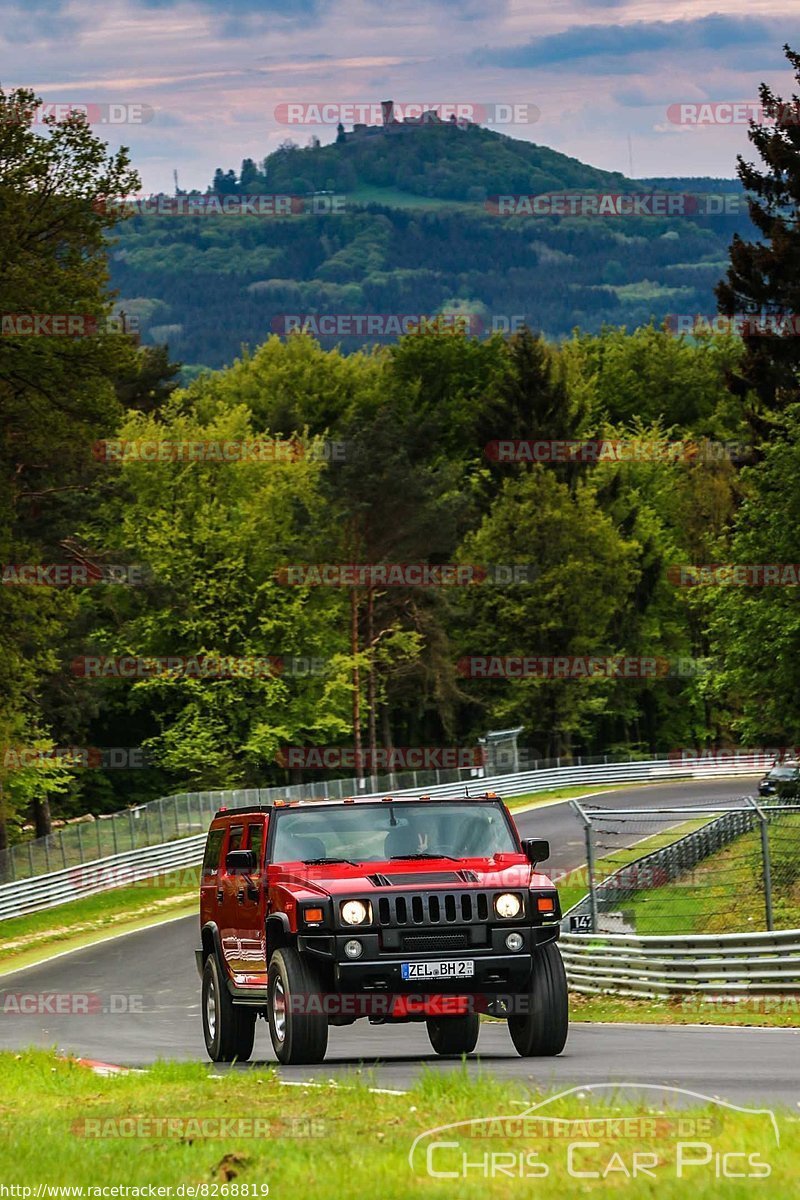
(497, 969)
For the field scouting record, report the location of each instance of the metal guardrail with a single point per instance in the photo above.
(22, 895)
(725, 965)
(646, 771)
(87, 879)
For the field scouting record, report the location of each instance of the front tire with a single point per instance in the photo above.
(454, 1035)
(229, 1029)
(541, 1030)
(297, 1037)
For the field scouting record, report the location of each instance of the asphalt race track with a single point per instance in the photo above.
(143, 997)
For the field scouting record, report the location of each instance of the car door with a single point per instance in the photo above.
(251, 928)
(229, 908)
(210, 897)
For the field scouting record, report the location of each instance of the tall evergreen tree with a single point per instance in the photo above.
(763, 279)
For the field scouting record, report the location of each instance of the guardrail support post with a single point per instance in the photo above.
(587, 830)
(767, 864)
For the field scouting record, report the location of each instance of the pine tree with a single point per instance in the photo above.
(763, 279)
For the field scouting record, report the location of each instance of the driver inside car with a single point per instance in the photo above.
(407, 839)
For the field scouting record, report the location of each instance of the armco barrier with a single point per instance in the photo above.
(46, 891)
(39, 891)
(725, 965)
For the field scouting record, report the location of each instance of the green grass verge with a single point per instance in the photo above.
(710, 901)
(762, 1011)
(79, 922)
(61, 1126)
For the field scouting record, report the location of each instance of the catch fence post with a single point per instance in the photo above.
(765, 856)
(587, 829)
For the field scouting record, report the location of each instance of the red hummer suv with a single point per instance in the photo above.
(316, 913)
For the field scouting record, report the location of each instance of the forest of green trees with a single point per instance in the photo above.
(378, 456)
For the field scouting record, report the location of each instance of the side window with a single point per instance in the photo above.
(235, 841)
(256, 843)
(213, 847)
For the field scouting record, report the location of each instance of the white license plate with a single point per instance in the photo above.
(460, 968)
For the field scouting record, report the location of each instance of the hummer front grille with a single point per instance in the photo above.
(433, 908)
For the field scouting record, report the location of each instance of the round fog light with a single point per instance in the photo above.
(354, 949)
(514, 941)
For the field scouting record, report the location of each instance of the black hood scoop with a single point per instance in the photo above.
(380, 880)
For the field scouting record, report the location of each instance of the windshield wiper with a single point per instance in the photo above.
(423, 855)
(318, 862)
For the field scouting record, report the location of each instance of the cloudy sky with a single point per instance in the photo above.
(603, 74)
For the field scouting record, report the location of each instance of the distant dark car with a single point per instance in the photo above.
(780, 780)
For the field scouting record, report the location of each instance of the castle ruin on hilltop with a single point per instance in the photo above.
(391, 126)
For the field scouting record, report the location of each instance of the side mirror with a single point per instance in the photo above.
(536, 850)
(240, 862)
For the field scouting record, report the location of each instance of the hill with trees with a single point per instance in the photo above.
(418, 233)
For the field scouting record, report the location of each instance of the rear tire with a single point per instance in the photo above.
(229, 1029)
(454, 1035)
(542, 1029)
(297, 1037)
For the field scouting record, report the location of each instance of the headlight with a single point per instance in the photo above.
(507, 905)
(355, 912)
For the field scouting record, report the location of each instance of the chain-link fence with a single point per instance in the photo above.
(89, 838)
(181, 815)
(689, 870)
(164, 820)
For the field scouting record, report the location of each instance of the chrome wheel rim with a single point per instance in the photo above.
(279, 1009)
(211, 1008)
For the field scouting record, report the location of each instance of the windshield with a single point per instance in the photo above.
(783, 773)
(381, 832)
